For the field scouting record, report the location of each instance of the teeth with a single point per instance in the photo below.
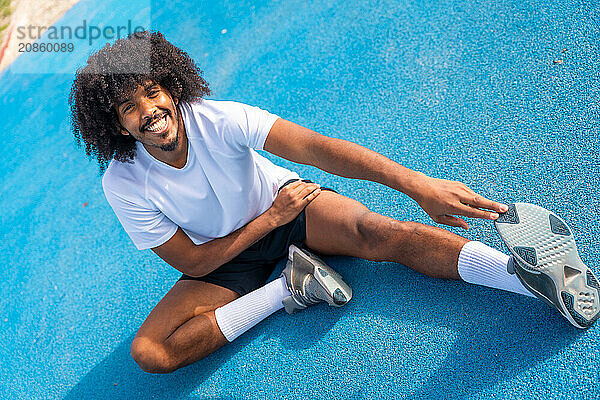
(158, 125)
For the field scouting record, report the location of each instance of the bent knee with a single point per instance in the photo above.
(151, 357)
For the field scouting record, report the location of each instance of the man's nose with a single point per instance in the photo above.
(147, 108)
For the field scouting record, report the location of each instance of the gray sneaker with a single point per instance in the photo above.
(546, 261)
(311, 281)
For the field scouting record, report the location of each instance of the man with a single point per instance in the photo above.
(184, 180)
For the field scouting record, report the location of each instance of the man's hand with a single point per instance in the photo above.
(291, 200)
(441, 199)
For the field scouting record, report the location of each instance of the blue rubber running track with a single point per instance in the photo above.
(502, 95)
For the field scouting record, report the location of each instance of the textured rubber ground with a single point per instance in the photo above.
(547, 262)
(311, 281)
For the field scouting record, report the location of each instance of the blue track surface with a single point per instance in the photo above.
(456, 89)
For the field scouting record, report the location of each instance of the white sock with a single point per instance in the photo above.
(482, 265)
(243, 313)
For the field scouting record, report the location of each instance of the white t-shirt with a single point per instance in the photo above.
(224, 184)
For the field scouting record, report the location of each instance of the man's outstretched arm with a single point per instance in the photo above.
(438, 197)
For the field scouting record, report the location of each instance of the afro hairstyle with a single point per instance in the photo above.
(113, 73)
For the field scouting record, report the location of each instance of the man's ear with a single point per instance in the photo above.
(123, 131)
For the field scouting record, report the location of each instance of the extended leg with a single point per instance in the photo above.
(338, 225)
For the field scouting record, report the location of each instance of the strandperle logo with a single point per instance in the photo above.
(83, 31)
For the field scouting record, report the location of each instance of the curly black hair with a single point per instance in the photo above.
(113, 73)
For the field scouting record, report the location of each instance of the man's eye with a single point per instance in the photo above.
(127, 108)
(153, 93)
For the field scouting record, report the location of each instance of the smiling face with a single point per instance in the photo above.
(150, 115)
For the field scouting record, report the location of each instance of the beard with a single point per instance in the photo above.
(171, 146)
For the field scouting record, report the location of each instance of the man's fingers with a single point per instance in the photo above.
(452, 221)
(309, 188)
(478, 201)
(312, 195)
(291, 187)
(473, 212)
(303, 191)
(298, 186)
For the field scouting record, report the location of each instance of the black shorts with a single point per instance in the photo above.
(252, 267)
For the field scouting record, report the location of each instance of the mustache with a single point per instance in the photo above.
(153, 120)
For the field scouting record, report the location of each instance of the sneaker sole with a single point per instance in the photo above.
(547, 262)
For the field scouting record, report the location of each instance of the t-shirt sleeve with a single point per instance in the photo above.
(248, 126)
(147, 227)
